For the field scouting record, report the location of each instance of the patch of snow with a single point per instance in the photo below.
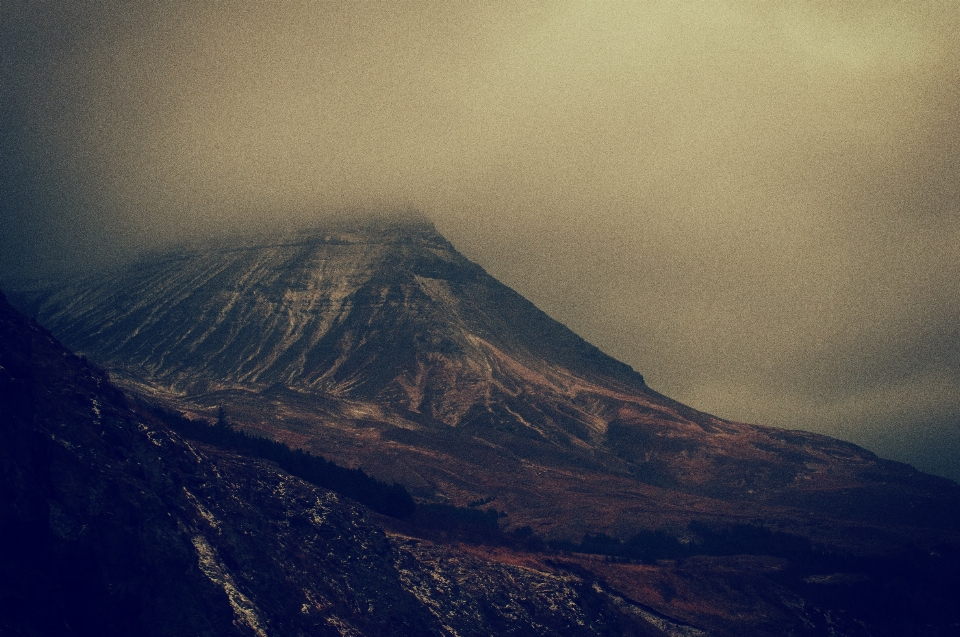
(204, 513)
(244, 610)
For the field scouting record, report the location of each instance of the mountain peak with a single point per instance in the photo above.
(298, 308)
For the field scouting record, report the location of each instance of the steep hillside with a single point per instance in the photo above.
(112, 524)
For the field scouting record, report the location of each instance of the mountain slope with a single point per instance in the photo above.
(377, 344)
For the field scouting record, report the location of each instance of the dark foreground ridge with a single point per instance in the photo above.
(112, 523)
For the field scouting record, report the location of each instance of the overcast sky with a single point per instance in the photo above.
(755, 204)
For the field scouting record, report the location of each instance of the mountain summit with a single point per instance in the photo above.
(375, 343)
(381, 310)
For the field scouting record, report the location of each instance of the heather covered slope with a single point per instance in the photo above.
(376, 344)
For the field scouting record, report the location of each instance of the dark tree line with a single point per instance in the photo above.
(393, 499)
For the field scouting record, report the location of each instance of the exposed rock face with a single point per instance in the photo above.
(377, 344)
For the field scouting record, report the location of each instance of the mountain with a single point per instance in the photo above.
(375, 344)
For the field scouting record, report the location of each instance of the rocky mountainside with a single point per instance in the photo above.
(113, 524)
(375, 343)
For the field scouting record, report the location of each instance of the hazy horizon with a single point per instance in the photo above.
(755, 206)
